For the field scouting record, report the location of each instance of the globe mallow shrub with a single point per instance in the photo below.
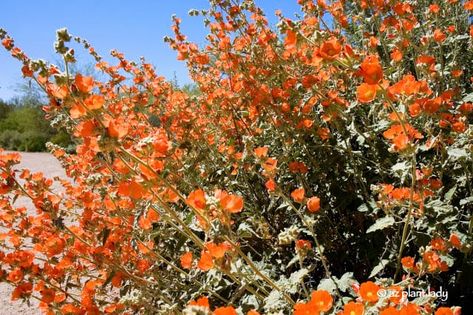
(323, 166)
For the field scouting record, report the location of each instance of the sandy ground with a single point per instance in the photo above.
(50, 166)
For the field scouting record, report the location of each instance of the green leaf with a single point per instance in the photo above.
(457, 153)
(345, 281)
(327, 285)
(468, 98)
(466, 200)
(296, 278)
(245, 230)
(378, 268)
(448, 259)
(381, 224)
(274, 301)
(363, 208)
(449, 194)
(461, 37)
(399, 167)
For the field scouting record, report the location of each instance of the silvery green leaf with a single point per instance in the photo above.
(466, 200)
(274, 301)
(245, 230)
(327, 284)
(401, 166)
(294, 260)
(250, 300)
(461, 37)
(296, 278)
(457, 153)
(468, 98)
(345, 282)
(449, 194)
(381, 224)
(363, 208)
(378, 268)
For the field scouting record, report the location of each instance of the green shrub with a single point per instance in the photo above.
(61, 138)
(24, 128)
(10, 139)
(32, 141)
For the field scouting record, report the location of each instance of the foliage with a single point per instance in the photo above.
(4, 109)
(24, 128)
(321, 167)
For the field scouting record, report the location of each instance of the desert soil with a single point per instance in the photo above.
(50, 167)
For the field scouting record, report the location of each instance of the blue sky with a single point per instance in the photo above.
(135, 28)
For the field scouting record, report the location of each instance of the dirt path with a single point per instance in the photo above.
(50, 166)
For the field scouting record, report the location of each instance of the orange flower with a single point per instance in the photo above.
(231, 203)
(330, 49)
(270, 185)
(84, 84)
(397, 134)
(94, 102)
(396, 295)
(113, 308)
(205, 262)
(23, 290)
(225, 310)
(303, 244)
(270, 164)
(313, 204)
(291, 40)
(152, 215)
(15, 276)
(298, 195)
(410, 309)
(444, 311)
(27, 72)
(324, 133)
(415, 109)
(59, 92)
(353, 308)
(196, 199)
(261, 152)
(322, 300)
(439, 36)
(117, 129)
(54, 245)
(86, 128)
(77, 110)
(7, 43)
(438, 244)
(407, 262)
(116, 281)
(186, 260)
(305, 309)
(131, 189)
(457, 73)
(396, 55)
(389, 311)
(47, 295)
(371, 70)
(455, 241)
(434, 261)
(366, 93)
(202, 302)
(252, 312)
(218, 250)
(369, 291)
(71, 309)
